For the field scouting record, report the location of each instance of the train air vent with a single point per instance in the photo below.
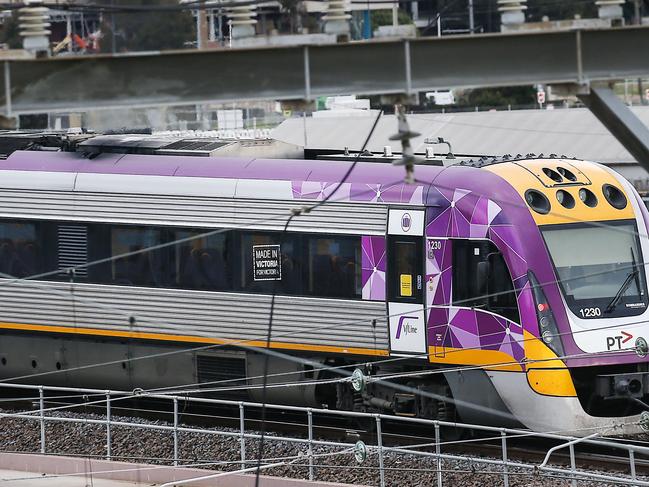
(588, 197)
(569, 175)
(73, 248)
(565, 199)
(614, 196)
(553, 175)
(537, 201)
(215, 372)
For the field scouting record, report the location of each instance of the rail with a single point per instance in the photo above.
(380, 449)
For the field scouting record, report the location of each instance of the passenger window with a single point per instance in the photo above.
(334, 267)
(481, 279)
(143, 269)
(19, 252)
(271, 263)
(405, 269)
(202, 262)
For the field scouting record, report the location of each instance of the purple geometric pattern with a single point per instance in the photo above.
(461, 213)
(373, 265)
(439, 274)
(370, 193)
(473, 329)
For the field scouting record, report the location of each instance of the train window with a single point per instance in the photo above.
(20, 254)
(405, 269)
(201, 263)
(481, 279)
(140, 269)
(334, 267)
(271, 262)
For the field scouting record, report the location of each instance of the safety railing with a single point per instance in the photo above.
(433, 450)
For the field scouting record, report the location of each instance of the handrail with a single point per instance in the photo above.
(109, 397)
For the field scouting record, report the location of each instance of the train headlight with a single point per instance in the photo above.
(641, 347)
(547, 336)
(547, 324)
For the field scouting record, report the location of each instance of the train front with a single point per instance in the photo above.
(578, 253)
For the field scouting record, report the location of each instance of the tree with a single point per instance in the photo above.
(384, 17)
(147, 31)
(498, 97)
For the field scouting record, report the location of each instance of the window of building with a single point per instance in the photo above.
(20, 254)
(481, 279)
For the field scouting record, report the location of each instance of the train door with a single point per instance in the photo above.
(405, 282)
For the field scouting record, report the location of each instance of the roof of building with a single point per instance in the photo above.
(572, 132)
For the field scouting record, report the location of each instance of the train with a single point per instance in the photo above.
(507, 291)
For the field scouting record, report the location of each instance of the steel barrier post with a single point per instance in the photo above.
(379, 445)
(309, 414)
(632, 464)
(242, 437)
(41, 403)
(108, 436)
(503, 436)
(175, 431)
(438, 450)
(573, 465)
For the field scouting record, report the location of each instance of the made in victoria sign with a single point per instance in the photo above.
(266, 262)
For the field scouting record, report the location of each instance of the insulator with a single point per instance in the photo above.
(336, 10)
(512, 12)
(511, 6)
(34, 27)
(610, 9)
(242, 20)
(337, 17)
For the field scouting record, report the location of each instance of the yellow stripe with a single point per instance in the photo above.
(551, 382)
(490, 359)
(546, 373)
(190, 339)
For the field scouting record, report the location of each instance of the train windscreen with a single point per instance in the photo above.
(600, 267)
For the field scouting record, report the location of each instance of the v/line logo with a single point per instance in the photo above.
(406, 328)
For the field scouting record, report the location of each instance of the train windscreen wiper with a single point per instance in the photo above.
(625, 285)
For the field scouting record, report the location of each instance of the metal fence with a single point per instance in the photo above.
(379, 449)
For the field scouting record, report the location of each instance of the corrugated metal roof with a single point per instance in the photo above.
(574, 132)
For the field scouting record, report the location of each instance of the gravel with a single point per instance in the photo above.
(157, 447)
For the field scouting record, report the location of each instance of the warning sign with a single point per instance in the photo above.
(405, 281)
(266, 263)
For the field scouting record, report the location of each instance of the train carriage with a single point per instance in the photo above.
(521, 282)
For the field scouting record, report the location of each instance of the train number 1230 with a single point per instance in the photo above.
(590, 312)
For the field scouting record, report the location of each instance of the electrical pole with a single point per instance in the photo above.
(471, 18)
(638, 21)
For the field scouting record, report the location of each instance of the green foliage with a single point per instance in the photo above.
(384, 17)
(147, 31)
(498, 97)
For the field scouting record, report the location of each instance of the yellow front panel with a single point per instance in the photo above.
(525, 175)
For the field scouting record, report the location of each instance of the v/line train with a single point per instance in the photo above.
(531, 272)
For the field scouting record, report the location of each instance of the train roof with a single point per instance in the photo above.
(213, 167)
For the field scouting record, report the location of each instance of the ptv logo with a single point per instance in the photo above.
(615, 342)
